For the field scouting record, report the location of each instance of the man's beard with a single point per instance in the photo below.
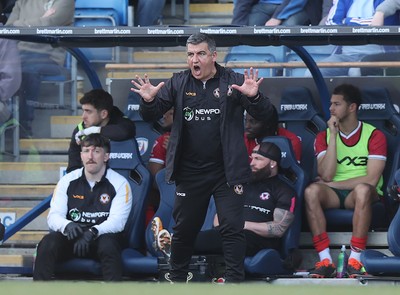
(261, 174)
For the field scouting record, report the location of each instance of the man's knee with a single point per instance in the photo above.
(311, 193)
(364, 193)
(50, 242)
(107, 244)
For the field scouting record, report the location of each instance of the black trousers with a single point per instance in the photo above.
(189, 212)
(210, 242)
(55, 248)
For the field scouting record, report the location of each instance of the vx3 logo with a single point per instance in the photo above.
(355, 161)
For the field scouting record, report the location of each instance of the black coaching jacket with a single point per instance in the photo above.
(233, 104)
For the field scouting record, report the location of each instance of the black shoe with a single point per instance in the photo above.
(355, 268)
(323, 269)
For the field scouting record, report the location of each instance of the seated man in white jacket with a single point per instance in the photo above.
(88, 213)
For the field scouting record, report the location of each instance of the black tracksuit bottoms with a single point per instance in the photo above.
(190, 208)
(55, 248)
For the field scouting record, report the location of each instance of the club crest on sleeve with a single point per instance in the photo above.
(230, 90)
(238, 188)
(264, 196)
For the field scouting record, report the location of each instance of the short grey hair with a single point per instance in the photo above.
(198, 38)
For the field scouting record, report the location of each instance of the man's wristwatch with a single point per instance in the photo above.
(94, 231)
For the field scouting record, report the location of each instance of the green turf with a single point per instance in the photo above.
(135, 288)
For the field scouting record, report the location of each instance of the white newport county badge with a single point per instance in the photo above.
(104, 199)
(230, 90)
(238, 188)
(216, 93)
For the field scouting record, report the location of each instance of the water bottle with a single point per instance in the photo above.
(342, 263)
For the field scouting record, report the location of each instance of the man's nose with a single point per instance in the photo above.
(195, 58)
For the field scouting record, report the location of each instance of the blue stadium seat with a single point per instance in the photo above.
(134, 262)
(378, 263)
(146, 133)
(376, 109)
(114, 10)
(67, 75)
(278, 52)
(267, 261)
(245, 53)
(299, 114)
(318, 53)
(146, 136)
(101, 13)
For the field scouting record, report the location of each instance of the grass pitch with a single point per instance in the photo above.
(146, 288)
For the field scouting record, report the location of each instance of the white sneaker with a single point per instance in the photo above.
(164, 242)
(156, 227)
(167, 277)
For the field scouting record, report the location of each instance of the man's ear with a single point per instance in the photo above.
(103, 114)
(106, 157)
(353, 107)
(214, 56)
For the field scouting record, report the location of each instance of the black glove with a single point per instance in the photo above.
(81, 246)
(73, 230)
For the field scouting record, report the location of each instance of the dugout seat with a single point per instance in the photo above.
(165, 208)
(299, 114)
(376, 109)
(134, 261)
(380, 264)
(267, 261)
(146, 132)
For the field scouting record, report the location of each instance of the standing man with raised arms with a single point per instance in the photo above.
(206, 154)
